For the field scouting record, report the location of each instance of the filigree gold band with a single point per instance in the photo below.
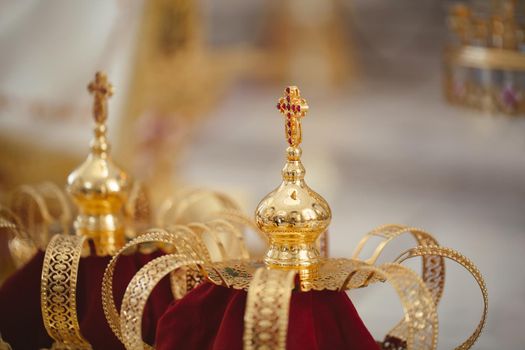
(267, 306)
(58, 292)
(237, 217)
(181, 238)
(137, 294)
(469, 266)
(420, 322)
(433, 267)
(222, 234)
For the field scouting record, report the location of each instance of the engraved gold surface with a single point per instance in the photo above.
(58, 292)
(293, 215)
(267, 306)
(330, 274)
(98, 186)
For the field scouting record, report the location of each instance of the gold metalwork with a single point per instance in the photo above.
(219, 234)
(420, 321)
(137, 293)
(330, 274)
(293, 107)
(181, 238)
(267, 305)
(469, 266)
(98, 186)
(433, 267)
(293, 216)
(58, 292)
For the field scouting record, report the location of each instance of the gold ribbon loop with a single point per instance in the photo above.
(267, 306)
(420, 325)
(433, 267)
(58, 292)
(137, 294)
(226, 241)
(180, 237)
(469, 266)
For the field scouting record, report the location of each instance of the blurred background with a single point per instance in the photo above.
(409, 121)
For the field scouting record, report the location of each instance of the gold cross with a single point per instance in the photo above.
(102, 90)
(293, 107)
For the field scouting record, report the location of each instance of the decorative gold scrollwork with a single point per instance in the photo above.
(267, 309)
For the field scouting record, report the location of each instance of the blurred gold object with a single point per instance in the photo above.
(165, 102)
(98, 186)
(4, 345)
(292, 217)
(485, 60)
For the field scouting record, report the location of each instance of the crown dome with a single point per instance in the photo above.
(98, 186)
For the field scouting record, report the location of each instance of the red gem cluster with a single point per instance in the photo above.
(290, 108)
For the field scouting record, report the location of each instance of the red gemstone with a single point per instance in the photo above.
(287, 90)
(288, 107)
(298, 108)
(289, 115)
(283, 106)
(278, 106)
(288, 99)
(289, 124)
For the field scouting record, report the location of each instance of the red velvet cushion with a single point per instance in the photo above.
(211, 317)
(21, 322)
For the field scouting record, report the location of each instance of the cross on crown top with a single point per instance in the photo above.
(102, 90)
(293, 107)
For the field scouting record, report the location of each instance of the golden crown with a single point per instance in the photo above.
(292, 218)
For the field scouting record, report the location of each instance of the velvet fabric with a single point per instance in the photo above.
(21, 323)
(211, 318)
